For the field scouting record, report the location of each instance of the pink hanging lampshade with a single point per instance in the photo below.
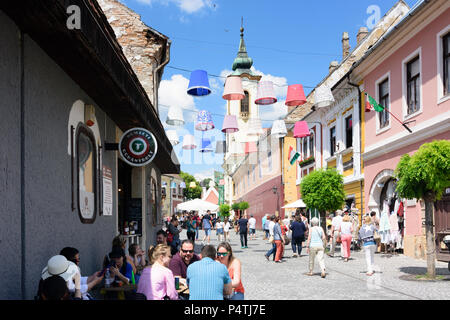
(230, 124)
(233, 89)
(250, 147)
(301, 129)
(295, 95)
(265, 94)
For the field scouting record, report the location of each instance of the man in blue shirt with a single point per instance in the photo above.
(207, 227)
(208, 279)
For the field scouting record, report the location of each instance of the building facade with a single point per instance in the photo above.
(172, 194)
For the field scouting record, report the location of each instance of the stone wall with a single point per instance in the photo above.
(144, 47)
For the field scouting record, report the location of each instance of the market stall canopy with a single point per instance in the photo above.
(297, 204)
(197, 205)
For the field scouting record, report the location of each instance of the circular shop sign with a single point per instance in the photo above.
(138, 147)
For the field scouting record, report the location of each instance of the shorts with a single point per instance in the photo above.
(207, 231)
(252, 231)
(219, 231)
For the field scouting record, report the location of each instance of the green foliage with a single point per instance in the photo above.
(190, 193)
(244, 205)
(224, 210)
(235, 206)
(427, 171)
(323, 190)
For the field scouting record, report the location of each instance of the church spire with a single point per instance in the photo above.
(242, 63)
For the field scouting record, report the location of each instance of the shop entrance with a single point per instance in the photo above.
(129, 204)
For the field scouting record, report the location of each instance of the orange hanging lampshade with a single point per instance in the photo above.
(233, 89)
(295, 95)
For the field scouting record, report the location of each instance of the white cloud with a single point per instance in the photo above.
(204, 174)
(187, 6)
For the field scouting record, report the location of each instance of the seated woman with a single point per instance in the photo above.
(119, 268)
(157, 281)
(138, 256)
(225, 256)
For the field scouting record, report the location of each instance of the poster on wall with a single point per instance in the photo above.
(107, 192)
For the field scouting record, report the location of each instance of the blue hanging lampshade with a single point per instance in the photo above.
(206, 145)
(199, 84)
(183, 185)
(204, 121)
(173, 185)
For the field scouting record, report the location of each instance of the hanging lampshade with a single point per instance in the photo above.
(221, 147)
(301, 129)
(279, 129)
(204, 121)
(233, 89)
(265, 94)
(189, 142)
(183, 185)
(173, 137)
(295, 95)
(206, 145)
(173, 185)
(230, 124)
(175, 116)
(199, 84)
(236, 148)
(192, 184)
(323, 97)
(254, 127)
(250, 147)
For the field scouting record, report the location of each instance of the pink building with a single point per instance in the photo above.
(408, 73)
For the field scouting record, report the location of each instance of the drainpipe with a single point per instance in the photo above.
(155, 73)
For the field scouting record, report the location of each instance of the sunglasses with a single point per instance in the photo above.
(222, 254)
(187, 251)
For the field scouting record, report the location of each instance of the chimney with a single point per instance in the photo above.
(333, 65)
(362, 33)
(345, 45)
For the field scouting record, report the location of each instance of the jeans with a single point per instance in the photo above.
(313, 252)
(237, 296)
(370, 252)
(346, 243)
(243, 239)
(297, 243)
(191, 235)
(272, 251)
(267, 233)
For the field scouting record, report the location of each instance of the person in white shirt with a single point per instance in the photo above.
(219, 229)
(335, 226)
(252, 227)
(226, 229)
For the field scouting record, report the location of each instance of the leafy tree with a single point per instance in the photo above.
(235, 207)
(190, 193)
(323, 190)
(243, 206)
(424, 176)
(224, 210)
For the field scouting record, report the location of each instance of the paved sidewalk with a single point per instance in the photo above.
(266, 280)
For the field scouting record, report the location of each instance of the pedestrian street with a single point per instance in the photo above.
(395, 277)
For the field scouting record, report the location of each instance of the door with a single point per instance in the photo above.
(442, 225)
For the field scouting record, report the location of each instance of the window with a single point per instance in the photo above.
(245, 105)
(413, 85)
(253, 173)
(311, 145)
(332, 141)
(446, 64)
(259, 168)
(305, 148)
(348, 132)
(383, 92)
(86, 174)
(269, 160)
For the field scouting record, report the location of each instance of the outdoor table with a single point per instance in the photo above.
(118, 291)
(183, 291)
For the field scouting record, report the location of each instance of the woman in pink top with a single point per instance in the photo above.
(157, 281)
(346, 230)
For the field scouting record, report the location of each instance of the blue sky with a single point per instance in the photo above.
(290, 41)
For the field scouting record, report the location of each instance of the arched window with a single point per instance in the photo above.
(86, 174)
(245, 102)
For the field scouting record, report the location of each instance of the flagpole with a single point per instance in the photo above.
(399, 121)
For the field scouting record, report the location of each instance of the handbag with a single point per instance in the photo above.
(338, 238)
(376, 235)
(286, 240)
(271, 239)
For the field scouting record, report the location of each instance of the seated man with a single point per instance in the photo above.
(182, 259)
(208, 279)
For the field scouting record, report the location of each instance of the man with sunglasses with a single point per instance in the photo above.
(182, 259)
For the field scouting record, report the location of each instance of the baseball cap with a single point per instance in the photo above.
(59, 266)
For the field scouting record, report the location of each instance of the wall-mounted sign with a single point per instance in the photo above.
(107, 191)
(138, 147)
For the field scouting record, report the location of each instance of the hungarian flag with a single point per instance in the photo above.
(372, 104)
(293, 155)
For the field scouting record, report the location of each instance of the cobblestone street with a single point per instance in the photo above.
(395, 279)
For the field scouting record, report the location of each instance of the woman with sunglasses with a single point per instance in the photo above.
(225, 256)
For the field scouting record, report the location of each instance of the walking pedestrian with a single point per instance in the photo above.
(219, 229)
(266, 227)
(278, 239)
(366, 235)
(226, 230)
(298, 236)
(173, 237)
(207, 227)
(376, 224)
(243, 230)
(198, 224)
(335, 225)
(225, 256)
(271, 223)
(316, 246)
(191, 227)
(252, 227)
(208, 279)
(346, 230)
(263, 222)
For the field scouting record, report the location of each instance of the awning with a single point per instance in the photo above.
(197, 205)
(297, 204)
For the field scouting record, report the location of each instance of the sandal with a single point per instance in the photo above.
(309, 274)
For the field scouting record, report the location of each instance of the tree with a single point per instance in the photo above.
(188, 192)
(243, 206)
(323, 190)
(224, 210)
(424, 176)
(235, 207)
